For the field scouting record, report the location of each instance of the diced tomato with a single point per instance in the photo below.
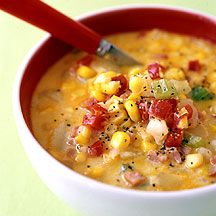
(94, 121)
(194, 65)
(190, 110)
(86, 60)
(162, 109)
(154, 70)
(96, 149)
(170, 121)
(143, 109)
(123, 82)
(174, 138)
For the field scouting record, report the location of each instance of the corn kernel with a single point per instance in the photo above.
(135, 71)
(86, 72)
(213, 87)
(211, 77)
(120, 140)
(111, 87)
(132, 110)
(183, 123)
(182, 96)
(81, 157)
(136, 84)
(95, 172)
(148, 143)
(98, 95)
(134, 96)
(174, 73)
(147, 146)
(84, 136)
(105, 77)
(194, 160)
(119, 117)
(213, 127)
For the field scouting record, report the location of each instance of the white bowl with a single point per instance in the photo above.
(88, 196)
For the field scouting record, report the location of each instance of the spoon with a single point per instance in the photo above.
(68, 30)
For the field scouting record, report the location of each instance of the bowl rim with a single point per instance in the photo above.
(74, 176)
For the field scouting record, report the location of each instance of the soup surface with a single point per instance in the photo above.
(150, 127)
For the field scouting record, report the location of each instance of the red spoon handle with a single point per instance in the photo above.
(43, 16)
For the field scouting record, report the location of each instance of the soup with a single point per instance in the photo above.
(149, 127)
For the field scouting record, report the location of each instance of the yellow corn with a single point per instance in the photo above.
(119, 117)
(213, 127)
(105, 77)
(211, 77)
(84, 136)
(95, 172)
(194, 160)
(98, 95)
(120, 140)
(148, 144)
(81, 157)
(183, 123)
(213, 87)
(86, 72)
(132, 110)
(111, 87)
(134, 96)
(174, 73)
(136, 84)
(135, 71)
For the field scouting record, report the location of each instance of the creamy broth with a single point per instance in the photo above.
(186, 66)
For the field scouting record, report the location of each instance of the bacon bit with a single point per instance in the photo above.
(214, 115)
(194, 65)
(74, 131)
(96, 149)
(86, 60)
(94, 121)
(213, 160)
(154, 70)
(123, 83)
(212, 171)
(175, 155)
(97, 109)
(134, 179)
(160, 56)
(185, 150)
(126, 94)
(70, 153)
(72, 70)
(132, 137)
(89, 102)
(156, 156)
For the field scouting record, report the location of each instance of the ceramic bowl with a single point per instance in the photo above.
(89, 197)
